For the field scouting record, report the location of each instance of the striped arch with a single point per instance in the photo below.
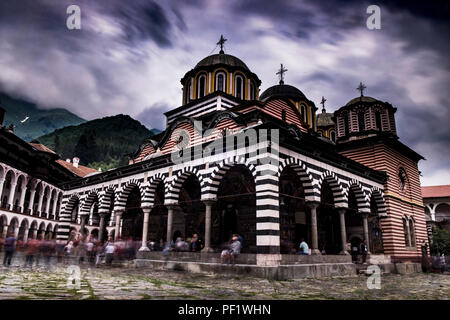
(173, 191)
(89, 201)
(361, 199)
(340, 199)
(378, 195)
(122, 196)
(150, 191)
(106, 197)
(212, 183)
(69, 203)
(305, 177)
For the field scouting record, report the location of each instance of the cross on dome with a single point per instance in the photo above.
(221, 42)
(281, 73)
(323, 104)
(361, 88)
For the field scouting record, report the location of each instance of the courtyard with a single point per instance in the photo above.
(112, 283)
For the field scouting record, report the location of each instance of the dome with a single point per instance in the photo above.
(284, 90)
(361, 99)
(222, 58)
(325, 119)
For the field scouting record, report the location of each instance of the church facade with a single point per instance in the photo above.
(233, 161)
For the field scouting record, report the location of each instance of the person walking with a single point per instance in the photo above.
(364, 250)
(109, 252)
(9, 247)
(235, 249)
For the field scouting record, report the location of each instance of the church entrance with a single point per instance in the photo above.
(192, 210)
(132, 218)
(235, 211)
(294, 214)
(328, 228)
(157, 228)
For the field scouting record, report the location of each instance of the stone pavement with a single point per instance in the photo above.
(131, 283)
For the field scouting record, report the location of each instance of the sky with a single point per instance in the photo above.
(129, 56)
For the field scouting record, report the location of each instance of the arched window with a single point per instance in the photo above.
(239, 87)
(252, 91)
(406, 231)
(402, 178)
(378, 120)
(361, 122)
(303, 112)
(333, 136)
(346, 124)
(188, 91)
(201, 86)
(221, 82)
(412, 233)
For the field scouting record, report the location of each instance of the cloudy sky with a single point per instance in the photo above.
(129, 56)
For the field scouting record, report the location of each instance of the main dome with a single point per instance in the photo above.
(361, 99)
(222, 58)
(284, 90)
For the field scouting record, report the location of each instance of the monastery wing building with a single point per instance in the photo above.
(233, 161)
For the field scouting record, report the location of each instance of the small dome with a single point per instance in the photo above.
(325, 119)
(283, 90)
(361, 99)
(222, 58)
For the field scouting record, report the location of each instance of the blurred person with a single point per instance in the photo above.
(303, 247)
(235, 248)
(30, 252)
(109, 252)
(9, 247)
(90, 250)
(68, 250)
(442, 263)
(196, 244)
(363, 250)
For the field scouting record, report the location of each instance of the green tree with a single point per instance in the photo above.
(440, 243)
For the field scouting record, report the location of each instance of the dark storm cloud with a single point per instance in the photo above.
(129, 56)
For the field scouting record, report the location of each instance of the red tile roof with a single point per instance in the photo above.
(41, 147)
(81, 171)
(436, 191)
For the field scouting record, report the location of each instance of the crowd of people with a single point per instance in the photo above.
(79, 250)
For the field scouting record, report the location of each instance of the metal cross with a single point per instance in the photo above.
(361, 88)
(281, 73)
(221, 43)
(323, 103)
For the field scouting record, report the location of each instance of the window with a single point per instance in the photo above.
(252, 91)
(378, 120)
(346, 124)
(283, 115)
(188, 91)
(333, 136)
(406, 231)
(412, 234)
(303, 112)
(402, 178)
(239, 87)
(361, 122)
(220, 82)
(201, 86)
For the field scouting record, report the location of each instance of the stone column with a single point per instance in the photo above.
(145, 229)
(314, 238)
(101, 226)
(55, 204)
(366, 230)
(170, 209)
(343, 231)
(25, 235)
(82, 223)
(118, 215)
(41, 199)
(16, 232)
(208, 209)
(31, 203)
(22, 198)
(5, 231)
(47, 206)
(2, 182)
(11, 195)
